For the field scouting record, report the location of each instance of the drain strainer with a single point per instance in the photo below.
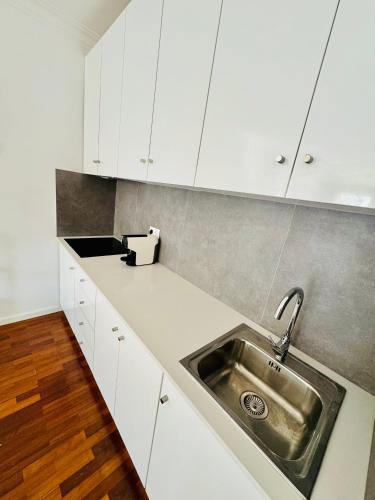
(253, 405)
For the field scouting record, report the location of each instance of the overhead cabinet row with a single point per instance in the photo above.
(255, 97)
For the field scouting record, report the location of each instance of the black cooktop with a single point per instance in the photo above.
(96, 247)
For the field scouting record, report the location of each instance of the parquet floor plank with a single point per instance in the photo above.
(57, 437)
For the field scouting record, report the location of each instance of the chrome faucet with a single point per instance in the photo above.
(281, 347)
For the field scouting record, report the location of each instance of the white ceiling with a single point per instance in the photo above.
(93, 15)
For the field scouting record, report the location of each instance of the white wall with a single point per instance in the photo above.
(41, 124)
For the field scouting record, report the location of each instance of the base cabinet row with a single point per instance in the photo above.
(175, 453)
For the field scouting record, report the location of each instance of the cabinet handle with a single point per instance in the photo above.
(150, 160)
(71, 268)
(308, 158)
(80, 342)
(280, 159)
(96, 161)
(81, 323)
(81, 302)
(143, 160)
(82, 280)
(164, 399)
(120, 338)
(115, 329)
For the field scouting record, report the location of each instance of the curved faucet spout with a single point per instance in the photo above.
(281, 347)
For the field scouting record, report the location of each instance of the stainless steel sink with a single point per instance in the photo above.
(288, 409)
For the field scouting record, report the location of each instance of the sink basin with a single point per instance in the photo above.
(288, 409)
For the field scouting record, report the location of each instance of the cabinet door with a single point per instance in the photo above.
(110, 96)
(339, 134)
(91, 111)
(186, 52)
(67, 286)
(140, 62)
(108, 329)
(138, 387)
(267, 61)
(187, 460)
(85, 337)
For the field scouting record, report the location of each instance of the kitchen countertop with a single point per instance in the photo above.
(173, 318)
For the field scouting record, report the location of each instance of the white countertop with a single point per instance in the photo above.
(174, 318)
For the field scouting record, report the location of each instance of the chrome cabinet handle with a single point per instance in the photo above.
(150, 160)
(143, 160)
(81, 302)
(82, 280)
(81, 323)
(280, 159)
(164, 399)
(71, 268)
(308, 158)
(96, 161)
(115, 329)
(121, 338)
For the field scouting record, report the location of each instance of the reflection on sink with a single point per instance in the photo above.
(288, 409)
(294, 407)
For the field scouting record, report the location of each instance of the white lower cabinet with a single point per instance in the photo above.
(176, 454)
(85, 336)
(188, 461)
(86, 305)
(109, 329)
(67, 286)
(137, 397)
(79, 307)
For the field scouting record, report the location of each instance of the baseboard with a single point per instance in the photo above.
(28, 315)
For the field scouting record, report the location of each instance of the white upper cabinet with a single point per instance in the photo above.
(137, 398)
(339, 135)
(92, 109)
(143, 22)
(267, 61)
(186, 51)
(187, 460)
(110, 97)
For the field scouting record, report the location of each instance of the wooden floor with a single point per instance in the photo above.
(57, 438)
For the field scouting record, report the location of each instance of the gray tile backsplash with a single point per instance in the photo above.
(248, 252)
(332, 256)
(85, 204)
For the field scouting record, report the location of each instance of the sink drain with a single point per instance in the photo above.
(253, 405)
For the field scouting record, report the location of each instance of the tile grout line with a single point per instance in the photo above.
(278, 263)
(115, 210)
(186, 211)
(136, 203)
